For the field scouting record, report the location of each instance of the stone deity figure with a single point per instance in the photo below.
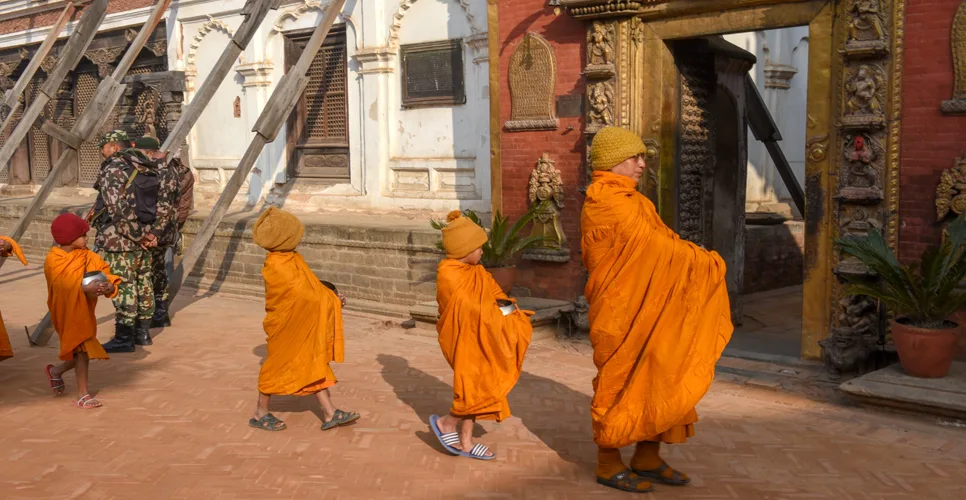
(600, 103)
(865, 23)
(863, 87)
(860, 156)
(599, 45)
(148, 119)
(546, 194)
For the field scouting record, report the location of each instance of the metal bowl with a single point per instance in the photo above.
(93, 277)
(330, 286)
(506, 306)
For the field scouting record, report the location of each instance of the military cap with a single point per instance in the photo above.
(114, 136)
(147, 142)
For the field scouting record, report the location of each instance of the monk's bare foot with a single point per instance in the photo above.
(468, 446)
(447, 424)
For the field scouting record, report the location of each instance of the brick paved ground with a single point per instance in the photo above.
(174, 426)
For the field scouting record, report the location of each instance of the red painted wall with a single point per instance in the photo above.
(521, 150)
(931, 141)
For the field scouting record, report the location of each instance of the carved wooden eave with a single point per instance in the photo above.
(656, 9)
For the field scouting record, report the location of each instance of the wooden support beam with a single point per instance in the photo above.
(255, 12)
(69, 57)
(278, 108)
(11, 101)
(60, 133)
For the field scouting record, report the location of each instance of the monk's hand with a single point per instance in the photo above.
(105, 288)
(342, 299)
(5, 248)
(149, 241)
(92, 288)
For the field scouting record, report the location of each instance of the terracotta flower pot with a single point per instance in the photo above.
(506, 277)
(923, 352)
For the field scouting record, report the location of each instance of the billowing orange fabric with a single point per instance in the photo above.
(6, 350)
(484, 347)
(71, 310)
(303, 322)
(659, 317)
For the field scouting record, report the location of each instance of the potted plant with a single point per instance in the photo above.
(505, 243)
(923, 297)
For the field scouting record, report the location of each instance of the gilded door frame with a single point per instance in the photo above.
(632, 82)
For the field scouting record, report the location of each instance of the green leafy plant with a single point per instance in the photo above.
(506, 240)
(925, 294)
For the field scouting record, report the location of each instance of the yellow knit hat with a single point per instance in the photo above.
(461, 236)
(277, 230)
(613, 145)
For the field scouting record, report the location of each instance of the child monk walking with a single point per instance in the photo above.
(8, 247)
(303, 321)
(72, 304)
(484, 347)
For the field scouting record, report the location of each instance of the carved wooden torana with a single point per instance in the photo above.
(853, 122)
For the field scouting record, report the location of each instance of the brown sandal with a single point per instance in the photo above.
(626, 480)
(676, 479)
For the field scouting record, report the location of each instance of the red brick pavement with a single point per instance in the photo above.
(174, 426)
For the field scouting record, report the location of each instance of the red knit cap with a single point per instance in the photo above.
(68, 227)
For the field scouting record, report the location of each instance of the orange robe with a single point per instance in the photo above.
(71, 310)
(484, 347)
(659, 317)
(303, 322)
(6, 350)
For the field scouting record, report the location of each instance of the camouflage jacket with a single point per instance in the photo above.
(124, 232)
(166, 226)
(186, 190)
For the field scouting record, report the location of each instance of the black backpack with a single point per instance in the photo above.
(146, 189)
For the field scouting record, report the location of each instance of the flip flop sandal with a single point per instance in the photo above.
(87, 402)
(340, 418)
(267, 423)
(626, 480)
(56, 384)
(449, 440)
(676, 479)
(478, 452)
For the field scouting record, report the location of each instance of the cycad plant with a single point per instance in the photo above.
(506, 241)
(925, 295)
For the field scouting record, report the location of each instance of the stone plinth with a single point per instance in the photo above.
(893, 388)
(544, 319)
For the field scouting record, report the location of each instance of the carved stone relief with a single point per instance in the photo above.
(849, 345)
(600, 50)
(532, 80)
(864, 95)
(957, 104)
(545, 193)
(103, 58)
(600, 102)
(951, 192)
(866, 35)
(860, 173)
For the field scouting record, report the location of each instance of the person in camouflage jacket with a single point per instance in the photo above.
(124, 241)
(166, 227)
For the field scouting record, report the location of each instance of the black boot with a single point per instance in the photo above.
(161, 318)
(142, 334)
(123, 340)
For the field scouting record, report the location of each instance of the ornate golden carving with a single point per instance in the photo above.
(600, 99)
(532, 78)
(895, 127)
(866, 36)
(957, 105)
(951, 192)
(600, 44)
(857, 221)
(103, 59)
(817, 148)
(861, 179)
(863, 101)
(546, 195)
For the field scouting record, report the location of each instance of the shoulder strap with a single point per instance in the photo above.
(130, 179)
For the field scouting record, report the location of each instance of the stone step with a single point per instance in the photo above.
(891, 387)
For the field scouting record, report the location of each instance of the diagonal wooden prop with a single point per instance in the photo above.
(11, 101)
(276, 111)
(85, 127)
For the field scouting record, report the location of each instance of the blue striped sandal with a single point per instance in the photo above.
(450, 440)
(478, 452)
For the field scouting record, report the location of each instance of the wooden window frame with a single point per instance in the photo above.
(458, 97)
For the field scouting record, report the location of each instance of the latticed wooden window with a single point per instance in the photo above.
(319, 127)
(432, 74)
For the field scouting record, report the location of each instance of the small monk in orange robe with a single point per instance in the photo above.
(659, 319)
(71, 304)
(484, 347)
(8, 247)
(303, 321)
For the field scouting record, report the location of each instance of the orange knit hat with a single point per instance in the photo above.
(461, 236)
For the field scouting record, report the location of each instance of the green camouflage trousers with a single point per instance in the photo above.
(135, 295)
(159, 274)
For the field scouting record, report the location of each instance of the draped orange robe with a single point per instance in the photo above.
(303, 321)
(71, 310)
(659, 317)
(484, 347)
(6, 350)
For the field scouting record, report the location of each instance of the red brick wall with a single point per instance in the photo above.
(521, 150)
(931, 141)
(48, 18)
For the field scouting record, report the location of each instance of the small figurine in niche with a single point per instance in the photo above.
(863, 87)
(599, 45)
(865, 24)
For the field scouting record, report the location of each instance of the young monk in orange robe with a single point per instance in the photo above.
(659, 319)
(71, 304)
(484, 347)
(303, 321)
(8, 247)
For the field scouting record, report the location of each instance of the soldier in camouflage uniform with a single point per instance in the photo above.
(166, 227)
(124, 240)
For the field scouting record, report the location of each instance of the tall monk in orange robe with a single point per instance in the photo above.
(8, 247)
(484, 347)
(659, 319)
(303, 321)
(72, 304)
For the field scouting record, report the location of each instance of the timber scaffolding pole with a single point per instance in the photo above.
(11, 101)
(255, 12)
(267, 127)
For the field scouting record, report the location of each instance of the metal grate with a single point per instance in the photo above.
(90, 155)
(326, 119)
(39, 142)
